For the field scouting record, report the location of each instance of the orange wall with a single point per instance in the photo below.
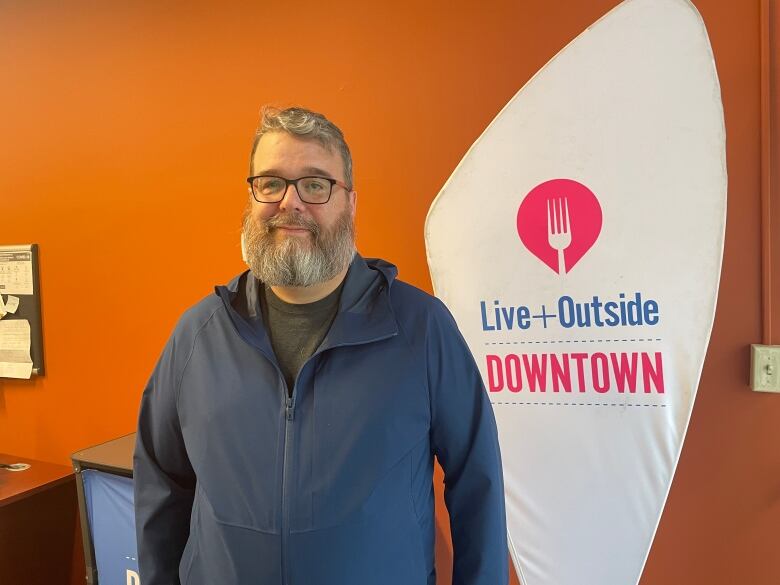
(124, 137)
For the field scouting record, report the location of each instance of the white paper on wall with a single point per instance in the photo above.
(15, 361)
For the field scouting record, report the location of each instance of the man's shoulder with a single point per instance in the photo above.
(197, 316)
(410, 295)
(411, 302)
(183, 339)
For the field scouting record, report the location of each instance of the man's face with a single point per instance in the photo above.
(292, 243)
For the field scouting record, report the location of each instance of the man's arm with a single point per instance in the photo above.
(164, 481)
(465, 441)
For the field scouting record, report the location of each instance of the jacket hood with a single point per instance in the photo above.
(388, 270)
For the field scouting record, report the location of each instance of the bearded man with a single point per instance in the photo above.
(288, 432)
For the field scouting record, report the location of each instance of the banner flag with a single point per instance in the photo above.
(109, 501)
(578, 245)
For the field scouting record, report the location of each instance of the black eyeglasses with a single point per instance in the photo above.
(312, 190)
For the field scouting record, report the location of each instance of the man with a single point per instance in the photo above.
(288, 431)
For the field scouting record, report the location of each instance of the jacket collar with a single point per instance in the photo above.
(364, 313)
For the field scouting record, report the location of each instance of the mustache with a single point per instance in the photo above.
(291, 220)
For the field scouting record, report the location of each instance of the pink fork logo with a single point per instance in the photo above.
(558, 221)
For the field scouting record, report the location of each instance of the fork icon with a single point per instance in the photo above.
(558, 230)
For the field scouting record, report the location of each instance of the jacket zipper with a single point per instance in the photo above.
(289, 416)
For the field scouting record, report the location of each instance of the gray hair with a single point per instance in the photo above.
(305, 124)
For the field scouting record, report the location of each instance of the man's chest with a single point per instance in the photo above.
(357, 412)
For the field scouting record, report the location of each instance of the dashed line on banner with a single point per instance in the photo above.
(575, 404)
(569, 341)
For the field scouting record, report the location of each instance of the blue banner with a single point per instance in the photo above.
(109, 501)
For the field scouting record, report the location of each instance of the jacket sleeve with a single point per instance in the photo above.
(164, 481)
(465, 441)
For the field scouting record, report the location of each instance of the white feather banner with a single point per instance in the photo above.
(578, 245)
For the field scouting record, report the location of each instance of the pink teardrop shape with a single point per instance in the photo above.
(584, 218)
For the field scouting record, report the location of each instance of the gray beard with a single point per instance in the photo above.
(295, 261)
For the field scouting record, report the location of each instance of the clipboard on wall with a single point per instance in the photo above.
(21, 302)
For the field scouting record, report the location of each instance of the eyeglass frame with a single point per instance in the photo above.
(294, 182)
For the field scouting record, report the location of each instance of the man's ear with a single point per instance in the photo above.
(353, 201)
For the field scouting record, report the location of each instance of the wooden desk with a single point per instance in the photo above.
(38, 512)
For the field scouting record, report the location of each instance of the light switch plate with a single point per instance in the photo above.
(765, 368)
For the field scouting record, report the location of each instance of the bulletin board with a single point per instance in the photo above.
(21, 337)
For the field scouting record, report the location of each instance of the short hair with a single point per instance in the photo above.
(305, 124)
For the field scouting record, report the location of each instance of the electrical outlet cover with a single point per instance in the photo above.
(765, 368)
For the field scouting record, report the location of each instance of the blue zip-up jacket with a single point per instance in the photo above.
(237, 484)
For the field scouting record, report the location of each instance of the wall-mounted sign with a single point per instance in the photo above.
(578, 245)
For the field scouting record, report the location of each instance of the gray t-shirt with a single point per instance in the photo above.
(296, 331)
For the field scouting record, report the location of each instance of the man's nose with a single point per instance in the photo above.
(292, 199)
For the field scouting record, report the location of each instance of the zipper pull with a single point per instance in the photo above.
(289, 411)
